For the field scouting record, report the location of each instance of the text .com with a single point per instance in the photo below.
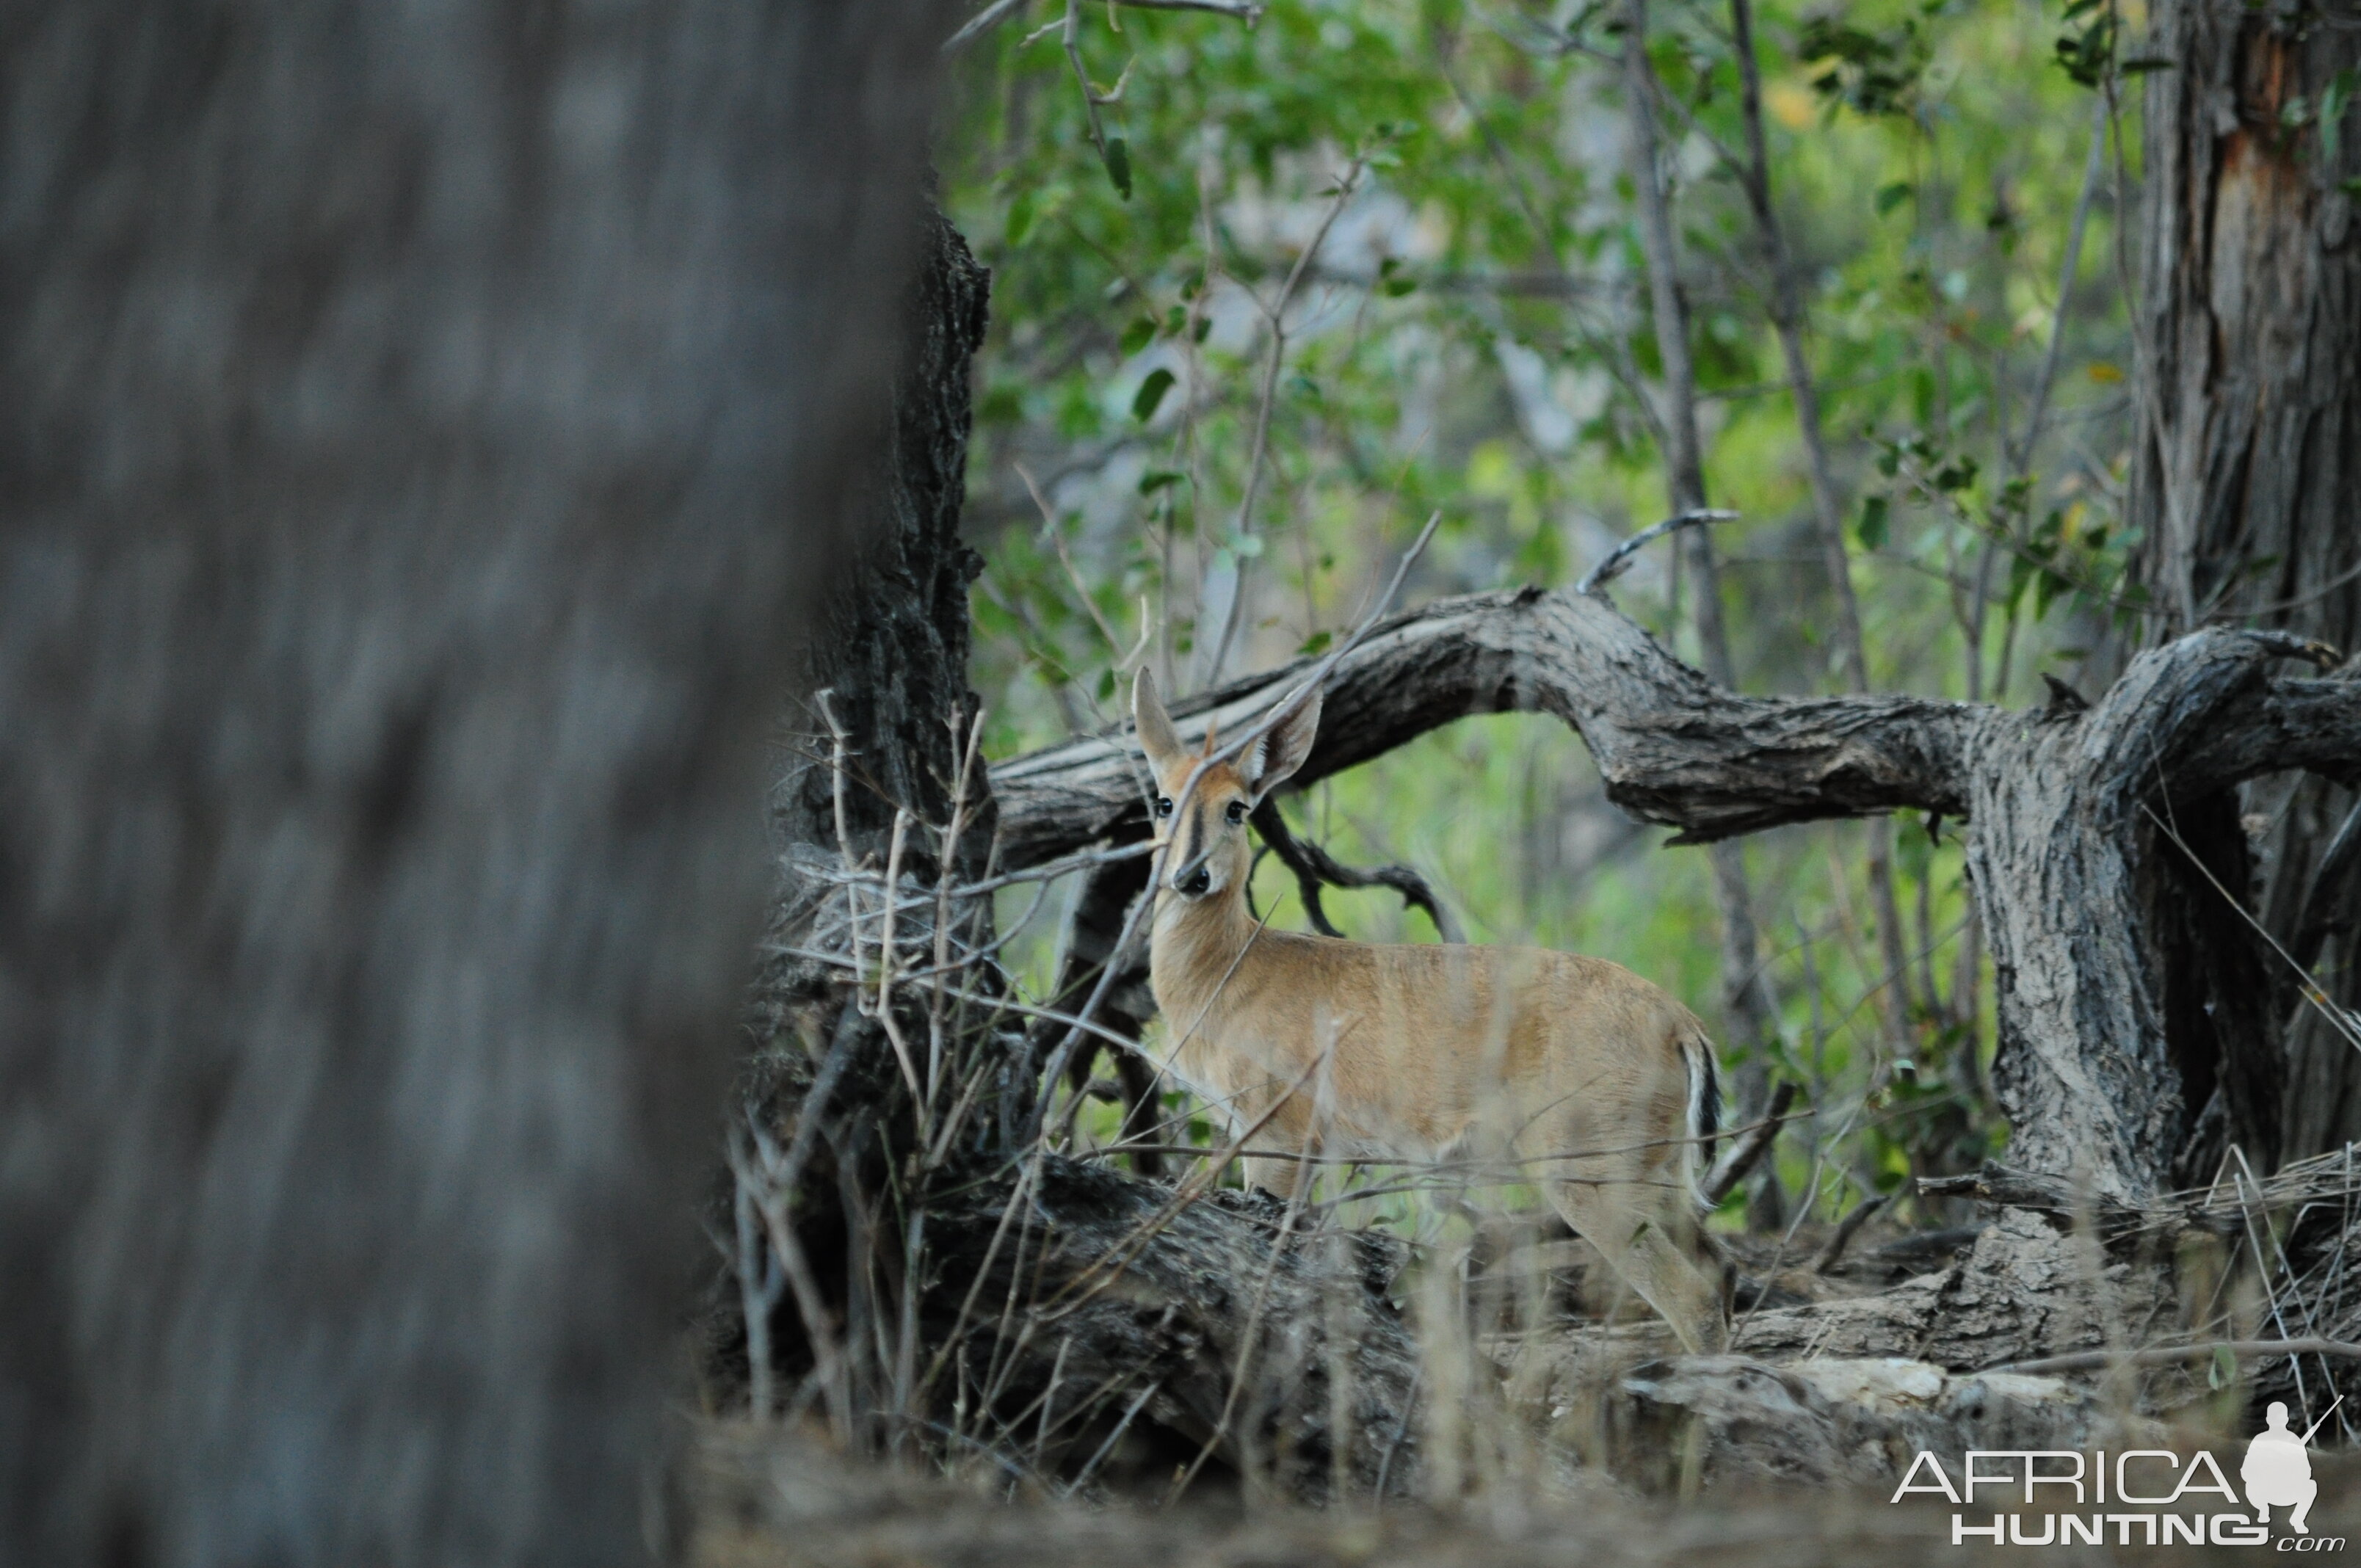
(2136, 1497)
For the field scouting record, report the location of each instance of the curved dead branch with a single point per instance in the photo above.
(1314, 867)
(1673, 748)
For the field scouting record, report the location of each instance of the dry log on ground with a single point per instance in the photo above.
(1215, 1320)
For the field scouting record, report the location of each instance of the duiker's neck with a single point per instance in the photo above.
(1194, 942)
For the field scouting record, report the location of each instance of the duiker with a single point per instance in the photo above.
(1571, 1073)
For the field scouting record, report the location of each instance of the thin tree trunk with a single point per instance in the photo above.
(2247, 400)
(1748, 1020)
(1827, 508)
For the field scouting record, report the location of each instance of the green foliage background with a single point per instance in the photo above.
(1471, 339)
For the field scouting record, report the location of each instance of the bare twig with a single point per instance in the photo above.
(1746, 1153)
(1276, 314)
(999, 11)
(2167, 1356)
(1058, 541)
(2021, 450)
(1862, 1213)
(1619, 559)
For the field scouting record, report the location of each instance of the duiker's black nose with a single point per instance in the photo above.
(1196, 882)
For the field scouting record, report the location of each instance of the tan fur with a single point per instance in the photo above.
(1424, 1052)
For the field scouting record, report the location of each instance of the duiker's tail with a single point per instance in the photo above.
(1705, 1108)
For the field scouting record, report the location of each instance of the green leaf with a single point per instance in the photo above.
(1020, 218)
(2087, 55)
(1116, 156)
(1956, 475)
(2020, 572)
(1151, 392)
(1138, 336)
(1395, 287)
(1156, 479)
(2047, 587)
(1871, 527)
(1316, 643)
(2334, 99)
(1891, 196)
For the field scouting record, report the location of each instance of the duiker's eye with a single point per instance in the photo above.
(1236, 812)
(1163, 806)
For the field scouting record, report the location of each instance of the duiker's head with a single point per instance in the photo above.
(1208, 832)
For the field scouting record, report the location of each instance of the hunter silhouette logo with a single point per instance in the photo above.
(2278, 1472)
(2141, 1496)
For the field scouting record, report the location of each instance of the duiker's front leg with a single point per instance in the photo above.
(1274, 1174)
(1284, 1147)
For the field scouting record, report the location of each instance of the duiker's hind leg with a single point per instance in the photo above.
(1659, 1254)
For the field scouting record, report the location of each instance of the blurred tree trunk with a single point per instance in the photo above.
(424, 444)
(2244, 482)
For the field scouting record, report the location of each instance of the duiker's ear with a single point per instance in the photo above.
(1273, 760)
(1157, 737)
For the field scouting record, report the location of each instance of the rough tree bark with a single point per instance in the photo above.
(2065, 810)
(424, 437)
(892, 644)
(884, 677)
(2247, 468)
